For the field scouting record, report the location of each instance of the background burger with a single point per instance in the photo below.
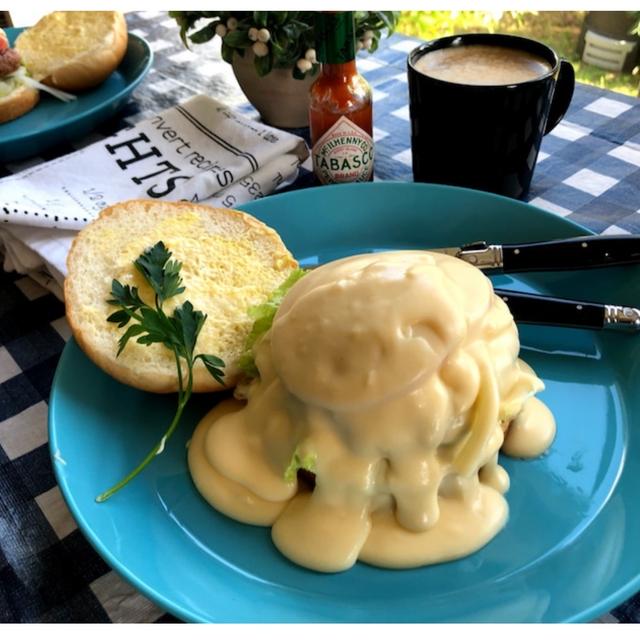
(16, 98)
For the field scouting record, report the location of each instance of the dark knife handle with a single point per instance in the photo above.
(528, 308)
(586, 252)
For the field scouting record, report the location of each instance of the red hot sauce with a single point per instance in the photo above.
(340, 109)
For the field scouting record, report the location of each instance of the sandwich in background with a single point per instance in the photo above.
(64, 51)
(74, 50)
(16, 98)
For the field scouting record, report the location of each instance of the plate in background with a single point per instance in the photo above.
(569, 551)
(53, 122)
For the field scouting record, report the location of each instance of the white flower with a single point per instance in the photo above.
(264, 35)
(304, 65)
(310, 55)
(260, 49)
(367, 43)
(253, 34)
(232, 24)
(368, 35)
(221, 30)
(359, 45)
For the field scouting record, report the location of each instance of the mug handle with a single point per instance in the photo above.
(562, 95)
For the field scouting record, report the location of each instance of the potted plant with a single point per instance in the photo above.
(272, 53)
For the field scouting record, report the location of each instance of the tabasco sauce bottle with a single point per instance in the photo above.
(340, 113)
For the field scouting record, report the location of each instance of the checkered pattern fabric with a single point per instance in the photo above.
(588, 171)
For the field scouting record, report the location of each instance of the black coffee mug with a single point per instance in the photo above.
(484, 136)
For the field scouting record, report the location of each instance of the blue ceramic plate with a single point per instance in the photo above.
(570, 549)
(53, 122)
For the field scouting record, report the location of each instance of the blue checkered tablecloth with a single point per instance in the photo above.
(588, 171)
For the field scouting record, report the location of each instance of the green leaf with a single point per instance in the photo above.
(185, 20)
(172, 283)
(264, 64)
(117, 291)
(262, 323)
(120, 317)
(298, 25)
(152, 337)
(238, 39)
(247, 364)
(275, 299)
(205, 34)
(125, 296)
(162, 274)
(214, 366)
(133, 330)
(387, 19)
(293, 30)
(161, 329)
(306, 461)
(260, 18)
(280, 17)
(391, 19)
(263, 315)
(214, 361)
(279, 51)
(178, 333)
(190, 323)
(151, 265)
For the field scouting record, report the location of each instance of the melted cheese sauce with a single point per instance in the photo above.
(531, 432)
(393, 374)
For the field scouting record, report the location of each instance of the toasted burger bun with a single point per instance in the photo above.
(74, 50)
(21, 100)
(230, 261)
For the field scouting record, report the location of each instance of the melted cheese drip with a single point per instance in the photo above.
(531, 432)
(394, 373)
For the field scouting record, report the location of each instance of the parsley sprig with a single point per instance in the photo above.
(150, 324)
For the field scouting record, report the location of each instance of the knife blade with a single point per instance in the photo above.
(584, 252)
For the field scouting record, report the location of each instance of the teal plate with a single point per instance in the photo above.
(54, 122)
(570, 550)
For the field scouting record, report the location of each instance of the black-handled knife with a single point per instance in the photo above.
(528, 308)
(586, 252)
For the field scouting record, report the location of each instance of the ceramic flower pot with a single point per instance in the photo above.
(281, 100)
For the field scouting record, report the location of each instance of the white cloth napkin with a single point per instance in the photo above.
(198, 151)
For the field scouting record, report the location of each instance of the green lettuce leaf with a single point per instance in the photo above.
(263, 315)
(7, 86)
(307, 461)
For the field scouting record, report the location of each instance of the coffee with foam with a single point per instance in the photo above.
(479, 64)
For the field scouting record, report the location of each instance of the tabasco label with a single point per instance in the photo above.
(343, 154)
